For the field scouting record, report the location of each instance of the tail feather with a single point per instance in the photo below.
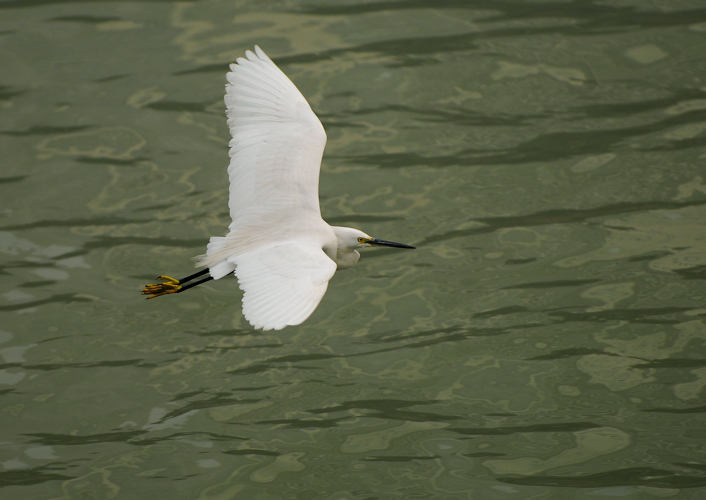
(217, 265)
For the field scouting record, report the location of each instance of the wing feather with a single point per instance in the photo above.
(283, 283)
(277, 142)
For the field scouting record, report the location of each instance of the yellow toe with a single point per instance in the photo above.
(170, 285)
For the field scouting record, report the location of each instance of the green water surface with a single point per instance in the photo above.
(545, 340)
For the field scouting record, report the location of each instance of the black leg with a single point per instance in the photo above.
(193, 276)
(186, 287)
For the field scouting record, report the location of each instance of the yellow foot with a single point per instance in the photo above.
(170, 285)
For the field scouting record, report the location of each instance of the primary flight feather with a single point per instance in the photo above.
(278, 246)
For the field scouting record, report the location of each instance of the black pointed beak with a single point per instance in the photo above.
(382, 243)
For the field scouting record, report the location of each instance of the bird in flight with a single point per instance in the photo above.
(279, 248)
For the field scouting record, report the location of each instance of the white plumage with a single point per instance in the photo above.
(283, 283)
(281, 250)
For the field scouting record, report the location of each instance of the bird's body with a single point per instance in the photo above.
(279, 247)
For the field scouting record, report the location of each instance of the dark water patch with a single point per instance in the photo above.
(6, 93)
(47, 439)
(111, 242)
(654, 316)
(249, 370)
(252, 451)
(502, 311)
(112, 77)
(462, 117)
(14, 4)
(46, 130)
(97, 364)
(142, 441)
(36, 284)
(54, 339)
(622, 109)
(568, 353)
(396, 337)
(402, 160)
(186, 395)
(397, 458)
(373, 404)
(96, 221)
(222, 399)
(16, 178)
(205, 68)
(259, 388)
(482, 454)
(454, 335)
(445, 116)
(293, 358)
(519, 429)
(223, 349)
(110, 161)
(412, 416)
(18, 264)
(29, 265)
(692, 273)
(693, 409)
(306, 367)
(648, 256)
(458, 337)
(515, 262)
(84, 19)
(389, 409)
(194, 107)
(344, 93)
(637, 476)
(597, 17)
(65, 298)
(553, 284)
(3, 392)
(224, 333)
(672, 363)
(36, 475)
(306, 424)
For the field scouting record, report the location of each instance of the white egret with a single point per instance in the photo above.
(278, 246)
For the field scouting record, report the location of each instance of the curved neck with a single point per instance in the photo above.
(346, 244)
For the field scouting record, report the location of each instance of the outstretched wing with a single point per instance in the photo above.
(282, 283)
(277, 143)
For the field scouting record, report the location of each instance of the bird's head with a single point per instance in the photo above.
(352, 239)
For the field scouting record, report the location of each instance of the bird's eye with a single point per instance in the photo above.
(361, 240)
